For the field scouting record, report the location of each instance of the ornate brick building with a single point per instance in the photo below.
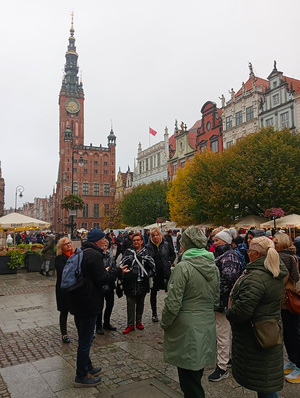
(86, 170)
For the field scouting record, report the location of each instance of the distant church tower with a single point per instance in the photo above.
(88, 171)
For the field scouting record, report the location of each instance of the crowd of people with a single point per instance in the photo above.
(222, 293)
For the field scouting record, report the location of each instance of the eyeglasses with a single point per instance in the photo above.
(67, 243)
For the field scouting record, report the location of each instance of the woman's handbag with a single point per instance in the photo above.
(267, 333)
(292, 301)
(119, 288)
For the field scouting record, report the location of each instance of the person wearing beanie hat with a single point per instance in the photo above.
(188, 315)
(95, 234)
(230, 269)
(85, 305)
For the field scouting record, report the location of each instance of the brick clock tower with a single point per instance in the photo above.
(88, 171)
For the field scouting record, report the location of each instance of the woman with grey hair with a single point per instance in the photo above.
(257, 298)
(188, 315)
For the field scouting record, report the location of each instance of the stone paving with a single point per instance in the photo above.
(35, 363)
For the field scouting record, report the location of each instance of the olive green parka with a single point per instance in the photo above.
(188, 317)
(257, 296)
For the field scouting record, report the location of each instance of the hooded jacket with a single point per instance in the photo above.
(256, 296)
(188, 315)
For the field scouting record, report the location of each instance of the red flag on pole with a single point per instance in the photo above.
(153, 132)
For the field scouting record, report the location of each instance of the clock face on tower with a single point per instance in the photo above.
(72, 105)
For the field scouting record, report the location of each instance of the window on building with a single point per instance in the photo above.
(269, 122)
(106, 209)
(175, 167)
(228, 144)
(275, 99)
(249, 113)
(85, 188)
(238, 118)
(228, 122)
(158, 159)
(85, 171)
(203, 146)
(274, 84)
(96, 189)
(74, 169)
(75, 188)
(85, 161)
(151, 162)
(105, 172)
(284, 120)
(106, 190)
(95, 162)
(140, 167)
(182, 164)
(105, 163)
(95, 171)
(84, 225)
(96, 225)
(214, 145)
(147, 163)
(96, 210)
(85, 210)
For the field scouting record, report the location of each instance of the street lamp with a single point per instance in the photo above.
(19, 189)
(80, 164)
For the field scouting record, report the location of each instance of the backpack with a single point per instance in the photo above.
(72, 278)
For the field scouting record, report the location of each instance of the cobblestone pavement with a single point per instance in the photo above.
(35, 363)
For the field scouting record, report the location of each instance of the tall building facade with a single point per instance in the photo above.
(240, 112)
(209, 129)
(2, 185)
(151, 163)
(85, 170)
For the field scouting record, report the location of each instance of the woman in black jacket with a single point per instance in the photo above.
(64, 251)
(164, 256)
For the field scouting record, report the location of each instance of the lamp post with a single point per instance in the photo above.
(80, 163)
(19, 189)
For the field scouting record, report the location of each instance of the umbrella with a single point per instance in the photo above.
(268, 224)
(250, 221)
(290, 221)
(19, 222)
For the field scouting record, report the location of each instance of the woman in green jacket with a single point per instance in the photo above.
(257, 296)
(188, 315)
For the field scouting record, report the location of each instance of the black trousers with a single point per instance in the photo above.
(109, 300)
(63, 317)
(190, 383)
(291, 335)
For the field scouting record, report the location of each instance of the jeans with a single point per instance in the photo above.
(85, 328)
(109, 300)
(135, 308)
(190, 383)
(269, 395)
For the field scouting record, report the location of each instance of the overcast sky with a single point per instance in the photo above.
(143, 63)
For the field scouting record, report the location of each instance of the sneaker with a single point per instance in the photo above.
(95, 370)
(154, 318)
(294, 376)
(128, 329)
(139, 326)
(88, 381)
(108, 326)
(218, 374)
(65, 339)
(99, 330)
(288, 367)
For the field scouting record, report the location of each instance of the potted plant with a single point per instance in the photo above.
(10, 261)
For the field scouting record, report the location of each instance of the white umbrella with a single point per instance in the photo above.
(250, 221)
(290, 221)
(19, 222)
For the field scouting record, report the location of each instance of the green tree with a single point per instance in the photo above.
(115, 217)
(145, 203)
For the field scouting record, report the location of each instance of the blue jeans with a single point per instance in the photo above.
(269, 395)
(85, 328)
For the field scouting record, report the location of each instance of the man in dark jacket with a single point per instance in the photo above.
(85, 306)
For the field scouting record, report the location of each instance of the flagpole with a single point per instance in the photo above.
(149, 137)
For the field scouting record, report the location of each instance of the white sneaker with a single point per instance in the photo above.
(289, 367)
(293, 377)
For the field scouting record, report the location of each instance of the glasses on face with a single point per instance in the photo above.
(136, 240)
(67, 243)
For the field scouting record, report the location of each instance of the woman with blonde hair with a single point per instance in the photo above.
(256, 297)
(291, 322)
(64, 250)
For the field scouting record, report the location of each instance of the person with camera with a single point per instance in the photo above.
(136, 282)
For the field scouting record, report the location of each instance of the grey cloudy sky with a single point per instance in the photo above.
(143, 63)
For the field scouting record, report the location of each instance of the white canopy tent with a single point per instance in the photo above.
(19, 222)
(250, 221)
